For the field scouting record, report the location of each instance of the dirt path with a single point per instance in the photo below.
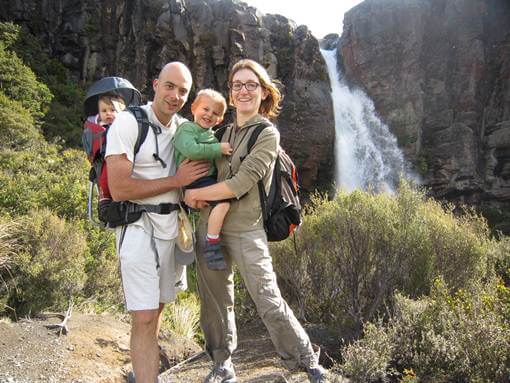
(255, 361)
(96, 350)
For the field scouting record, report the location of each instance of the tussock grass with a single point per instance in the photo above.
(183, 316)
(8, 244)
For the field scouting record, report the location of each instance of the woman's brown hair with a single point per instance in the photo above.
(270, 107)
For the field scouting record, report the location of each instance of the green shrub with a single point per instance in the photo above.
(63, 118)
(7, 243)
(37, 177)
(368, 359)
(354, 251)
(49, 269)
(8, 34)
(461, 337)
(19, 82)
(503, 260)
(8, 248)
(41, 84)
(16, 125)
(44, 177)
(103, 289)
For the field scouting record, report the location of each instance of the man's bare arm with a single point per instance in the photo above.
(124, 187)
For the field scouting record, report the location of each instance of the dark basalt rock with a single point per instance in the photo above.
(135, 38)
(439, 74)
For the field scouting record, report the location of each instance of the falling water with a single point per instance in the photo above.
(367, 155)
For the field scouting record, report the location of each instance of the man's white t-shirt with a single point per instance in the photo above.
(121, 139)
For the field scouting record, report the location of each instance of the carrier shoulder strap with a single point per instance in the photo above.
(143, 128)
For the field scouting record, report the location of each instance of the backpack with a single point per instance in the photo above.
(281, 208)
(110, 213)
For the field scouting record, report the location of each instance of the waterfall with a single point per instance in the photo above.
(367, 155)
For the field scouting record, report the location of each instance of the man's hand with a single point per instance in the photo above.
(226, 149)
(190, 171)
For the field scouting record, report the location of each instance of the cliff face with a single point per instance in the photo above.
(135, 38)
(439, 74)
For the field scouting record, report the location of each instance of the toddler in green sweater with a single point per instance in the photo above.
(196, 141)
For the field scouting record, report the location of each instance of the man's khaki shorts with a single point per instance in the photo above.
(145, 284)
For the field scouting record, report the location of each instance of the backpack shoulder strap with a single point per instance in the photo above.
(260, 184)
(143, 126)
(218, 133)
(255, 135)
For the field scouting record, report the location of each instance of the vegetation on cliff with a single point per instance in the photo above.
(43, 195)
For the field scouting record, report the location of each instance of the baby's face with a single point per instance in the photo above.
(107, 112)
(207, 113)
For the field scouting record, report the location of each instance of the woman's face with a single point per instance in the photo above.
(247, 93)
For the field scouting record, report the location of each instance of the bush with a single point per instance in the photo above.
(8, 244)
(63, 118)
(103, 289)
(503, 260)
(44, 177)
(368, 359)
(354, 251)
(16, 125)
(37, 177)
(8, 248)
(18, 81)
(49, 269)
(8, 34)
(461, 337)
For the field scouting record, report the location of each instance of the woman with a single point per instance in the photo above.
(255, 99)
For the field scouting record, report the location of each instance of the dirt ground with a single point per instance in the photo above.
(96, 350)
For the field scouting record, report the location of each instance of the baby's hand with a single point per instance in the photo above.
(226, 149)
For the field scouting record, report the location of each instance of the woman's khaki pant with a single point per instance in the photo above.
(249, 251)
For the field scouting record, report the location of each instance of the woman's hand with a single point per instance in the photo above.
(192, 202)
(189, 200)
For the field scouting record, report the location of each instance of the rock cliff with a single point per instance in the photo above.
(134, 38)
(439, 74)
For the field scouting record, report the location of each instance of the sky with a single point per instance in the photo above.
(325, 16)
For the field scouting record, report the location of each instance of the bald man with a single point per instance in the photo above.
(150, 275)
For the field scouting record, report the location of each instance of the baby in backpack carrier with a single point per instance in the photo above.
(196, 141)
(108, 106)
(96, 127)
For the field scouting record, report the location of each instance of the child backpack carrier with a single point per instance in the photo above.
(94, 140)
(281, 208)
(115, 213)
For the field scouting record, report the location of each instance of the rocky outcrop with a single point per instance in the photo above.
(134, 38)
(439, 74)
(330, 41)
